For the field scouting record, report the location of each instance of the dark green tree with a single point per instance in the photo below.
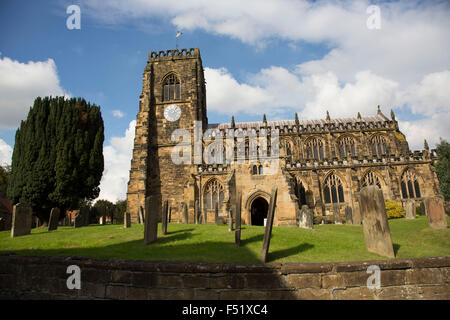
(103, 207)
(443, 168)
(58, 155)
(121, 206)
(4, 174)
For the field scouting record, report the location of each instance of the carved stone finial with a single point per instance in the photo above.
(232, 122)
(379, 110)
(425, 145)
(296, 119)
(264, 118)
(359, 116)
(392, 115)
(328, 116)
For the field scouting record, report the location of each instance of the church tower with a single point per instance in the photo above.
(173, 97)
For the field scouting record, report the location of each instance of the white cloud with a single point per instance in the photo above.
(118, 114)
(20, 84)
(405, 64)
(5, 153)
(117, 155)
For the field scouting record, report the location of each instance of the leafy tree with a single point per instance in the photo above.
(103, 207)
(58, 155)
(121, 206)
(443, 168)
(4, 174)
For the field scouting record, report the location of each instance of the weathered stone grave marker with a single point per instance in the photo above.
(337, 213)
(237, 233)
(375, 223)
(230, 220)
(410, 209)
(306, 218)
(185, 213)
(141, 215)
(348, 215)
(21, 220)
(164, 213)
(127, 220)
(54, 219)
(268, 232)
(151, 219)
(434, 207)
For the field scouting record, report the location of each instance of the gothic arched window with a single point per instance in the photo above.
(255, 170)
(346, 146)
(260, 169)
(371, 179)
(410, 185)
(314, 149)
(171, 88)
(333, 191)
(379, 146)
(288, 149)
(214, 195)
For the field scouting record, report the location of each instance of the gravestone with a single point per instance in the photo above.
(54, 219)
(164, 213)
(423, 211)
(348, 215)
(185, 213)
(141, 215)
(237, 233)
(216, 214)
(306, 218)
(196, 212)
(410, 209)
(434, 207)
(375, 223)
(337, 213)
(268, 232)
(205, 216)
(127, 220)
(230, 220)
(151, 219)
(170, 215)
(21, 220)
(79, 220)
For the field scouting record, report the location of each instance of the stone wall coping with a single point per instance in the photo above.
(213, 267)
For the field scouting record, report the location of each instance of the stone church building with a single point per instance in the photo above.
(321, 163)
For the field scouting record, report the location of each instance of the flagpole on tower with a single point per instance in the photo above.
(179, 33)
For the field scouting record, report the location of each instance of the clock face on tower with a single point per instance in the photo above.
(172, 112)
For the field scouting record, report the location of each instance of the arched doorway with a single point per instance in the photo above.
(259, 211)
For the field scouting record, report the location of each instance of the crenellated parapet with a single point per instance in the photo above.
(174, 54)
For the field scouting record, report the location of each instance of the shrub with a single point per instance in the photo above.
(394, 210)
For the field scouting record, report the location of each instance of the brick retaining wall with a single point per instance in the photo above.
(42, 277)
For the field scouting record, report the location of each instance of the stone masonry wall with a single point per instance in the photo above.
(40, 277)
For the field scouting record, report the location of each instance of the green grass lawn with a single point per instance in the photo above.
(188, 242)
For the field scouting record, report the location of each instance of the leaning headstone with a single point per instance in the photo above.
(434, 207)
(348, 215)
(127, 220)
(205, 216)
(141, 215)
(164, 217)
(79, 220)
(410, 209)
(306, 218)
(268, 232)
(54, 219)
(196, 212)
(216, 214)
(151, 219)
(337, 213)
(375, 223)
(185, 213)
(237, 233)
(21, 220)
(230, 220)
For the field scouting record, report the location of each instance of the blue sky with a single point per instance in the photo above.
(273, 57)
